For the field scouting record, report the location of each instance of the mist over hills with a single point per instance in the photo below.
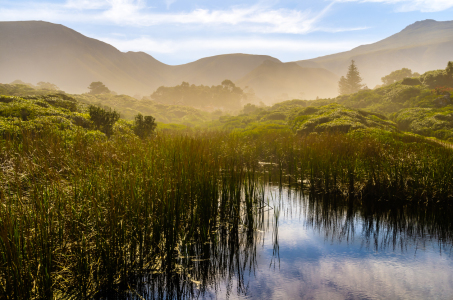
(289, 80)
(35, 51)
(422, 46)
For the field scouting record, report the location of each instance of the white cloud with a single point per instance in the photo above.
(256, 18)
(413, 5)
(169, 3)
(86, 4)
(225, 45)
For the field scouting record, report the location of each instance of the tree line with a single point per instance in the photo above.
(225, 95)
(352, 82)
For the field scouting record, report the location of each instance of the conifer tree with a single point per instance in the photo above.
(352, 82)
(449, 69)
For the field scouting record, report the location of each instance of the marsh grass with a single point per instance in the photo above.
(170, 216)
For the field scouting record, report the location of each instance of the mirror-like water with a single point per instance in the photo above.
(341, 254)
(309, 247)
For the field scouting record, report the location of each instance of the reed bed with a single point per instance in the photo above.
(169, 216)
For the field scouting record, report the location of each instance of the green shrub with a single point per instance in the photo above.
(411, 81)
(144, 126)
(103, 120)
(436, 78)
(274, 116)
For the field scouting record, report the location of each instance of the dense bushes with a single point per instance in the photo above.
(63, 114)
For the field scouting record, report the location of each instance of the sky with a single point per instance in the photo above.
(177, 31)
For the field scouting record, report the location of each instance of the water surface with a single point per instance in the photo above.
(322, 250)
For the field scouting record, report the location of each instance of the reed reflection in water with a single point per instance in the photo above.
(317, 247)
(341, 248)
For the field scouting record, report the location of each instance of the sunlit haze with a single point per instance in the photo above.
(176, 32)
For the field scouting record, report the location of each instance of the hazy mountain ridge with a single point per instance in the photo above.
(35, 51)
(422, 46)
(40, 51)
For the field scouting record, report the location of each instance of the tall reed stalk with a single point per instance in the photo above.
(85, 220)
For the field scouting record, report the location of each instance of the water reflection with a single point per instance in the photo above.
(305, 246)
(380, 226)
(335, 248)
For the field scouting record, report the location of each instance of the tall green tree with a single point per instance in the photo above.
(352, 83)
(98, 87)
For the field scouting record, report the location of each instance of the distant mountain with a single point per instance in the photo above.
(422, 46)
(276, 80)
(213, 70)
(35, 51)
(40, 51)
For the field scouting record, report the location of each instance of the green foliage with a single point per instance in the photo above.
(36, 114)
(352, 82)
(397, 75)
(144, 126)
(102, 119)
(439, 78)
(336, 118)
(275, 116)
(129, 107)
(449, 69)
(249, 108)
(226, 95)
(411, 81)
(98, 88)
(47, 86)
(427, 121)
(86, 217)
(436, 78)
(83, 214)
(20, 90)
(261, 129)
(171, 127)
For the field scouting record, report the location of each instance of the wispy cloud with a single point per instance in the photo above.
(255, 18)
(169, 3)
(413, 5)
(86, 4)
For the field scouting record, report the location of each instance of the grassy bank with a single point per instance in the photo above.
(87, 212)
(85, 219)
(80, 220)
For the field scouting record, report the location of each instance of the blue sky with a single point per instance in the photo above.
(177, 31)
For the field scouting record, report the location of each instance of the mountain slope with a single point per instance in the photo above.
(422, 46)
(40, 51)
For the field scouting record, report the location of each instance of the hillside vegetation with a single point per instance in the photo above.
(127, 106)
(421, 105)
(92, 205)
